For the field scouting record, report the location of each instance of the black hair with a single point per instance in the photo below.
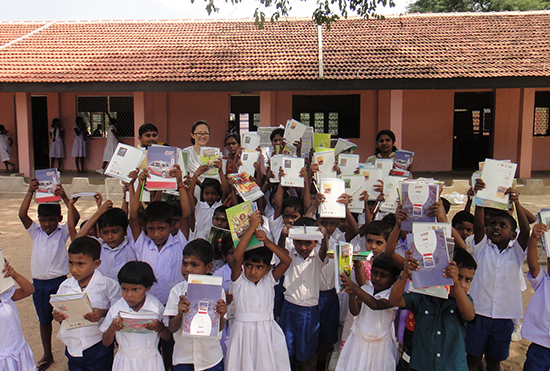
(294, 203)
(49, 210)
(201, 249)
(56, 120)
(82, 224)
(137, 273)
(227, 244)
(145, 128)
(113, 217)
(220, 210)
(390, 134)
(279, 131)
(194, 126)
(379, 228)
(304, 220)
(505, 215)
(446, 205)
(175, 205)
(158, 211)
(381, 261)
(234, 136)
(259, 255)
(462, 216)
(390, 219)
(211, 182)
(86, 246)
(464, 259)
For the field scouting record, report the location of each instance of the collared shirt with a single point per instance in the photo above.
(203, 353)
(166, 263)
(328, 273)
(203, 217)
(276, 226)
(439, 333)
(303, 278)
(102, 292)
(496, 287)
(536, 323)
(112, 259)
(49, 252)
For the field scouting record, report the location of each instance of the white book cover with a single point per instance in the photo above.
(325, 160)
(344, 145)
(294, 131)
(373, 178)
(265, 134)
(203, 292)
(305, 233)
(75, 306)
(292, 167)
(384, 164)
(48, 179)
(543, 216)
(125, 160)
(250, 141)
(348, 163)
(332, 188)
(391, 194)
(355, 185)
(275, 164)
(5, 283)
(307, 141)
(498, 177)
(182, 161)
(426, 226)
(160, 160)
(248, 158)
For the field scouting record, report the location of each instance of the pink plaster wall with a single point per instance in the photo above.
(506, 124)
(7, 107)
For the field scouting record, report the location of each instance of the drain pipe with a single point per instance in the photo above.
(320, 47)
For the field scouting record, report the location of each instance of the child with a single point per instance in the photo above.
(463, 222)
(440, 328)
(300, 313)
(147, 135)
(227, 250)
(136, 351)
(110, 145)
(256, 342)
(192, 353)
(79, 144)
(371, 345)
(57, 148)
(496, 290)
(49, 265)
(116, 248)
(5, 147)
(377, 234)
(16, 353)
(84, 349)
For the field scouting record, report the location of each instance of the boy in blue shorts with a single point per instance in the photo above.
(49, 265)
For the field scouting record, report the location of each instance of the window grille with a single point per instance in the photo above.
(541, 120)
(99, 112)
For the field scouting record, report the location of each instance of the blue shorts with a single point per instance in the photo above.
(279, 298)
(41, 297)
(329, 314)
(489, 336)
(96, 358)
(538, 358)
(301, 328)
(190, 367)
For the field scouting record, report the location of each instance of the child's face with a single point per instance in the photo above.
(290, 215)
(158, 232)
(500, 231)
(82, 267)
(304, 248)
(343, 225)
(134, 295)
(192, 264)
(381, 279)
(255, 271)
(465, 277)
(376, 244)
(148, 138)
(465, 229)
(220, 220)
(49, 223)
(210, 195)
(330, 224)
(277, 140)
(228, 258)
(112, 235)
(175, 226)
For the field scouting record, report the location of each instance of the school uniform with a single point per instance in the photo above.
(203, 217)
(225, 273)
(329, 301)
(114, 258)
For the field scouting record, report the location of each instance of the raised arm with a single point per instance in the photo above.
(282, 254)
(396, 295)
(479, 216)
(135, 227)
(279, 196)
(91, 223)
(60, 191)
(25, 287)
(24, 208)
(353, 228)
(438, 210)
(225, 187)
(354, 290)
(236, 266)
(524, 229)
(324, 244)
(395, 258)
(532, 254)
(465, 305)
(184, 201)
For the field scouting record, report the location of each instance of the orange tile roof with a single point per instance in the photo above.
(408, 47)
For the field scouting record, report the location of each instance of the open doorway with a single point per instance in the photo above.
(40, 132)
(245, 110)
(473, 129)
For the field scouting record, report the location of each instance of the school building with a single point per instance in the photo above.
(455, 88)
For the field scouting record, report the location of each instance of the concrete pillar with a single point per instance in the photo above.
(139, 114)
(268, 107)
(160, 104)
(23, 116)
(525, 135)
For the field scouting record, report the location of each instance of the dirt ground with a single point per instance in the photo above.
(16, 246)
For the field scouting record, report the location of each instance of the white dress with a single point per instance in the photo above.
(371, 345)
(79, 145)
(256, 343)
(15, 353)
(4, 147)
(111, 144)
(136, 351)
(57, 149)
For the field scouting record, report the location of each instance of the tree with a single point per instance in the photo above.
(450, 6)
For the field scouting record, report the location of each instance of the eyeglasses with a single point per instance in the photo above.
(202, 134)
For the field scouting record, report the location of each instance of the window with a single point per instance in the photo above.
(100, 112)
(542, 111)
(245, 109)
(338, 115)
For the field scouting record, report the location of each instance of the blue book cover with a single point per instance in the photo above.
(417, 198)
(430, 250)
(203, 293)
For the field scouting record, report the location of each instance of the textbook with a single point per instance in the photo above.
(5, 283)
(422, 227)
(498, 177)
(307, 142)
(355, 185)
(431, 251)
(325, 160)
(160, 160)
(48, 179)
(294, 131)
(275, 164)
(343, 257)
(366, 167)
(135, 323)
(248, 158)
(208, 156)
(435, 291)
(332, 188)
(348, 163)
(250, 141)
(384, 164)
(75, 306)
(265, 133)
(292, 167)
(321, 140)
(402, 162)
(216, 235)
(82, 194)
(344, 145)
(305, 233)
(125, 160)
(416, 198)
(373, 178)
(391, 194)
(247, 189)
(237, 217)
(543, 216)
(203, 293)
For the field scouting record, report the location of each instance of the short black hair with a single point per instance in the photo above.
(464, 259)
(295, 203)
(462, 216)
(113, 217)
(446, 205)
(137, 273)
(86, 246)
(279, 131)
(158, 211)
(145, 128)
(390, 219)
(505, 215)
(305, 221)
(175, 205)
(201, 249)
(259, 255)
(49, 210)
(211, 182)
(234, 136)
(381, 261)
(379, 228)
(220, 210)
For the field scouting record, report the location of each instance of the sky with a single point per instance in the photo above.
(33, 10)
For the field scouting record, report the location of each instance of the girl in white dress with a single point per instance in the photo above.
(256, 343)
(371, 345)
(5, 147)
(57, 148)
(137, 344)
(79, 144)
(15, 353)
(110, 144)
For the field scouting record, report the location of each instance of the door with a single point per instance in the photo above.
(245, 110)
(40, 132)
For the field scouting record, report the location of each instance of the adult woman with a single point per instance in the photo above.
(385, 140)
(200, 134)
(233, 146)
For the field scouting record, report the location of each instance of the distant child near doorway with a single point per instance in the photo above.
(79, 144)
(110, 145)
(5, 147)
(57, 148)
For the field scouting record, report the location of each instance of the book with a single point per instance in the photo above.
(248, 158)
(125, 159)
(275, 164)
(135, 323)
(237, 217)
(305, 233)
(208, 156)
(344, 145)
(216, 235)
(48, 179)
(160, 160)
(391, 194)
(426, 226)
(292, 167)
(363, 167)
(362, 255)
(321, 140)
(75, 306)
(416, 198)
(325, 160)
(250, 141)
(373, 178)
(246, 188)
(348, 163)
(402, 162)
(332, 188)
(182, 161)
(430, 250)
(6, 283)
(384, 164)
(543, 216)
(343, 257)
(265, 134)
(203, 293)
(355, 185)
(498, 177)
(294, 131)
(441, 292)
(307, 142)
(82, 194)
